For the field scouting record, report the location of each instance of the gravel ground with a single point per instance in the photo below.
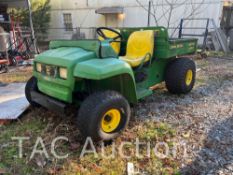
(204, 118)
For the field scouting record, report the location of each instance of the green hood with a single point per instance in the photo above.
(65, 56)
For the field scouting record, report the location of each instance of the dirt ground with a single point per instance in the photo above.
(205, 116)
(202, 120)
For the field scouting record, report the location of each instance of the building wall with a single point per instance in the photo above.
(84, 16)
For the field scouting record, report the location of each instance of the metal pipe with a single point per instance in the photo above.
(181, 28)
(31, 26)
(149, 12)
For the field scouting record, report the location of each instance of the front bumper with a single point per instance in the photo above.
(48, 102)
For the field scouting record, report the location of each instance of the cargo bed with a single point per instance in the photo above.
(165, 47)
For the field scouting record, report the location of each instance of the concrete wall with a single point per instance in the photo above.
(84, 16)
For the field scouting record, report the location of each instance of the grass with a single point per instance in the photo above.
(41, 123)
(16, 75)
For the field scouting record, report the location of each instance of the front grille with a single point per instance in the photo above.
(50, 71)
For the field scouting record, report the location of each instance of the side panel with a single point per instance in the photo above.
(108, 74)
(123, 84)
(155, 73)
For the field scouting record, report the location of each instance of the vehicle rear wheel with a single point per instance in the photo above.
(103, 115)
(31, 86)
(180, 76)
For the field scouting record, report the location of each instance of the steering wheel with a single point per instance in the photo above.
(100, 32)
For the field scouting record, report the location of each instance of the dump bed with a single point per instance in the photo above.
(164, 47)
(175, 47)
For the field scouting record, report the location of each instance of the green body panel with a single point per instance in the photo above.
(155, 73)
(93, 65)
(175, 47)
(89, 45)
(123, 83)
(97, 69)
(51, 87)
(109, 73)
(65, 57)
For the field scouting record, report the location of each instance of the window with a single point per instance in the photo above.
(68, 22)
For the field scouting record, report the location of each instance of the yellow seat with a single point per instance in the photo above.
(115, 45)
(140, 48)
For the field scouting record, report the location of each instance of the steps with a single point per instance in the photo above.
(217, 41)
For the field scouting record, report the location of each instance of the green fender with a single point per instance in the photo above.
(109, 74)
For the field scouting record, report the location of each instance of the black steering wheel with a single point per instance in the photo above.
(100, 32)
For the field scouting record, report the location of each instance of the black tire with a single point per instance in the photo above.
(6, 69)
(31, 86)
(176, 73)
(93, 110)
(231, 39)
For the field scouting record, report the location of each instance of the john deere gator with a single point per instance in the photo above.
(102, 77)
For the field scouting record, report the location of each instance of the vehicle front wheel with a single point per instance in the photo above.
(180, 76)
(103, 115)
(31, 86)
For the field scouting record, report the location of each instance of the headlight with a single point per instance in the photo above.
(63, 73)
(38, 67)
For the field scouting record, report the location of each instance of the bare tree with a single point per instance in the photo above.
(168, 7)
(173, 4)
(147, 9)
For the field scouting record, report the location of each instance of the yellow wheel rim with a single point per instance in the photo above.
(111, 120)
(189, 77)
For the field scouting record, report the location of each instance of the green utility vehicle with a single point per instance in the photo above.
(104, 76)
